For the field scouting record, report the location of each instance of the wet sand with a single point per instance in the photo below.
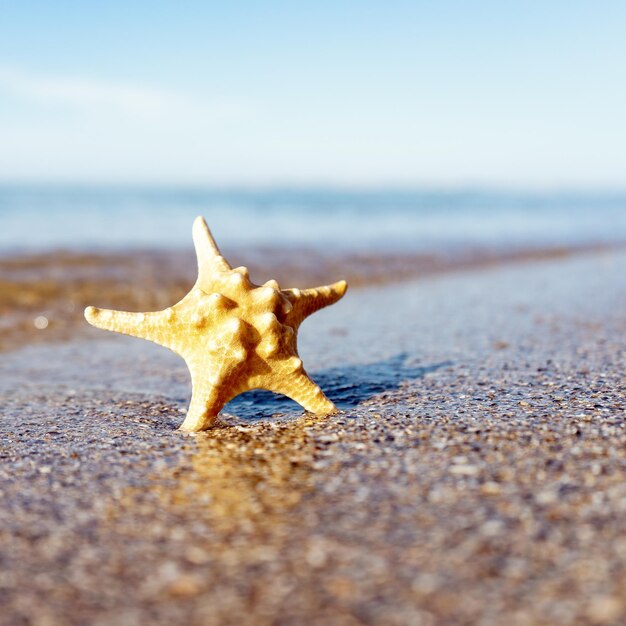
(476, 473)
(58, 286)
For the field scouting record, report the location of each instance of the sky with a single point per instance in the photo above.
(355, 93)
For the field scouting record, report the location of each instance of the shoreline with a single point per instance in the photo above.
(58, 285)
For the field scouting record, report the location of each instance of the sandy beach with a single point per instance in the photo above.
(475, 475)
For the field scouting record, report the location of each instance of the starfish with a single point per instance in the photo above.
(233, 335)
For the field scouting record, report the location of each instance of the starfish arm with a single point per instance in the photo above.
(206, 403)
(210, 258)
(308, 301)
(151, 326)
(299, 387)
(213, 384)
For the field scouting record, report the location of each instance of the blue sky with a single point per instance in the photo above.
(341, 93)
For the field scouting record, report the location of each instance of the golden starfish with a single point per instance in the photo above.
(234, 335)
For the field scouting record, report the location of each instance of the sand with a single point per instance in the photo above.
(55, 287)
(476, 474)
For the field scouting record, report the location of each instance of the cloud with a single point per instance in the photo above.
(95, 95)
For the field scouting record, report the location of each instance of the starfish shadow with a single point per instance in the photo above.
(347, 386)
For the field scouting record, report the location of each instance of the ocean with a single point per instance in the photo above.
(46, 218)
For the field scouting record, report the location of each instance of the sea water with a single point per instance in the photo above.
(42, 218)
